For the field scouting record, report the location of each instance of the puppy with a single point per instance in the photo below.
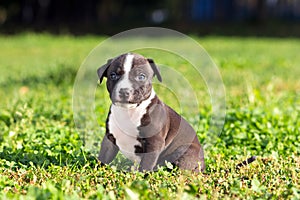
(139, 124)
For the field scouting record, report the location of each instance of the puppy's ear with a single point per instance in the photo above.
(102, 70)
(155, 69)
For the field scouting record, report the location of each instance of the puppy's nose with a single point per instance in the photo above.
(124, 93)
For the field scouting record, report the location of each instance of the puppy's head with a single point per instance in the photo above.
(129, 79)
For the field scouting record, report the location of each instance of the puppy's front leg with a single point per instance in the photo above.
(148, 161)
(151, 151)
(108, 151)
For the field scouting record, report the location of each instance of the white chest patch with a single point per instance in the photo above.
(123, 125)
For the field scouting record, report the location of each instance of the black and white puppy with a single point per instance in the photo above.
(139, 124)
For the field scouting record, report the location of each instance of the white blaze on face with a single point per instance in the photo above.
(125, 82)
(128, 63)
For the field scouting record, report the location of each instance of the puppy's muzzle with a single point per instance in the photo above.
(124, 94)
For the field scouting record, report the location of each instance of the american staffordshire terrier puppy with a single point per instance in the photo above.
(139, 124)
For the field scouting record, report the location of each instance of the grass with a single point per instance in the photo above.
(42, 155)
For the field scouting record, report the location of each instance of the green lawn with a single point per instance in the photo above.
(42, 155)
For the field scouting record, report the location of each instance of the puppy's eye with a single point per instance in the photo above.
(114, 76)
(141, 77)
